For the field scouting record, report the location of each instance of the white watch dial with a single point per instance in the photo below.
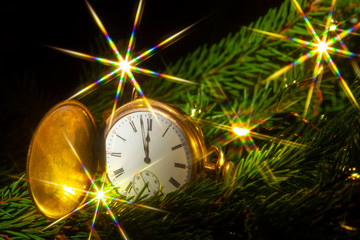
(147, 152)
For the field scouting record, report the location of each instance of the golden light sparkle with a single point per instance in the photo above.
(333, 27)
(68, 190)
(125, 66)
(97, 195)
(241, 122)
(321, 48)
(100, 195)
(240, 131)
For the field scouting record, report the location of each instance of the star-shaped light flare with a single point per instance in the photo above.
(126, 66)
(99, 196)
(321, 47)
(334, 27)
(242, 128)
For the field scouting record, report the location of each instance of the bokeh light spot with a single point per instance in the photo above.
(241, 131)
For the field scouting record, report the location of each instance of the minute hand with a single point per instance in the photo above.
(147, 141)
(143, 133)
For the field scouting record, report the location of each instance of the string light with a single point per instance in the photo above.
(333, 28)
(241, 131)
(240, 127)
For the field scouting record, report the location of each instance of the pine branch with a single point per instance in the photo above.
(304, 189)
(19, 218)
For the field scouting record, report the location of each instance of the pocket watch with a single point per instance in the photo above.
(145, 150)
(151, 147)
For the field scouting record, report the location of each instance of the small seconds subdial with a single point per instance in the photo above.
(147, 181)
(146, 149)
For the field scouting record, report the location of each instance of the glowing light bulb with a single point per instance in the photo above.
(241, 131)
(355, 176)
(333, 27)
(100, 195)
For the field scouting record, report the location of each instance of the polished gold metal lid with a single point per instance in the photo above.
(61, 146)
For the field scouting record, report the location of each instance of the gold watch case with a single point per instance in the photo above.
(61, 144)
(189, 128)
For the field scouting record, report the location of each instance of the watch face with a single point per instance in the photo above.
(148, 153)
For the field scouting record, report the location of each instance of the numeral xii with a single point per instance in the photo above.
(132, 124)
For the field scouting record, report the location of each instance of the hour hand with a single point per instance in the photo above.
(147, 141)
(143, 133)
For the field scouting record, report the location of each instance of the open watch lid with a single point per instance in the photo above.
(60, 153)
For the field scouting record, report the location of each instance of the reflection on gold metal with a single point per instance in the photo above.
(221, 170)
(57, 180)
(68, 190)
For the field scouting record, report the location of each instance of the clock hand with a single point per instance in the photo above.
(147, 139)
(143, 133)
(147, 185)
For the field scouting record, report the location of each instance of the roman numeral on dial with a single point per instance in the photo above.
(176, 147)
(132, 124)
(119, 172)
(115, 154)
(129, 187)
(121, 137)
(174, 182)
(149, 122)
(166, 131)
(180, 165)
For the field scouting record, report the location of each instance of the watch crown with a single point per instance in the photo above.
(221, 170)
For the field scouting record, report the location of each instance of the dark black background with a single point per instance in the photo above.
(35, 77)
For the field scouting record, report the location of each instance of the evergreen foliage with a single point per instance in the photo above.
(281, 190)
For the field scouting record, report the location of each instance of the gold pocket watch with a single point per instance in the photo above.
(148, 150)
(152, 149)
